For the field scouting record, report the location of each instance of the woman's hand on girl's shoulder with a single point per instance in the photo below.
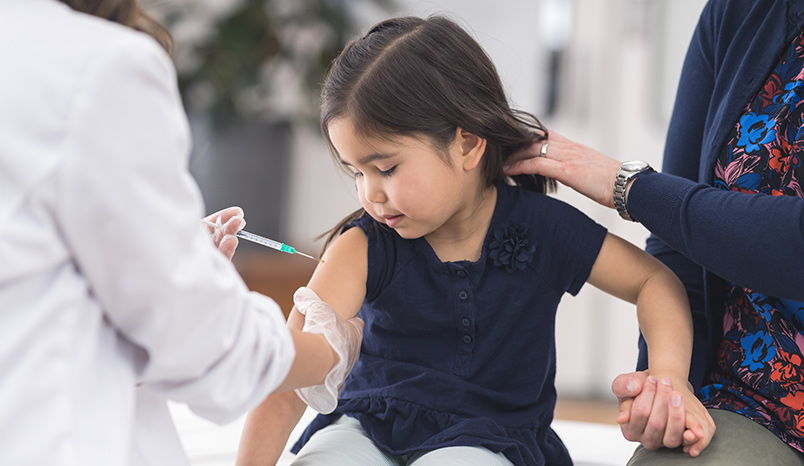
(580, 167)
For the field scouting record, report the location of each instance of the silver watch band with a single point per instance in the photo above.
(628, 171)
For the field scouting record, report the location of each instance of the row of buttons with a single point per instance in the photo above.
(464, 295)
(466, 326)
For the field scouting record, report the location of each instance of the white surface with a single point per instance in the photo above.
(208, 444)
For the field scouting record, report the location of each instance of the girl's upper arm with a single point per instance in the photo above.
(622, 268)
(340, 280)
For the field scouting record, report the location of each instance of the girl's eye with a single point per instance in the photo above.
(357, 174)
(388, 172)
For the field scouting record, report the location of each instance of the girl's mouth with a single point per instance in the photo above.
(393, 220)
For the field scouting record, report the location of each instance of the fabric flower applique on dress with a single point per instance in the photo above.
(512, 246)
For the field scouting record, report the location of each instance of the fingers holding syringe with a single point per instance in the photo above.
(231, 221)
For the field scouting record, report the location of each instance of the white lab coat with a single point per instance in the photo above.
(107, 278)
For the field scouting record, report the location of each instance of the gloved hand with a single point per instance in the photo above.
(345, 337)
(231, 221)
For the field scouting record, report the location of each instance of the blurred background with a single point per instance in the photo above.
(603, 72)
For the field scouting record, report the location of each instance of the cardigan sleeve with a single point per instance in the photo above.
(753, 240)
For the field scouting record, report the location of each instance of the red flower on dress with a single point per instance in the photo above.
(794, 400)
(783, 159)
(785, 414)
(744, 311)
(770, 89)
(727, 353)
(788, 371)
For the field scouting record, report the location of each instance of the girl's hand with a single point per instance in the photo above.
(581, 168)
(231, 221)
(700, 427)
(655, 415)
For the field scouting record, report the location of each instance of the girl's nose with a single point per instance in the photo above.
(374, 193)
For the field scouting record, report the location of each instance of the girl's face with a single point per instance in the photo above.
(406, 183)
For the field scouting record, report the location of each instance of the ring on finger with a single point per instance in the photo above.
(543, 152)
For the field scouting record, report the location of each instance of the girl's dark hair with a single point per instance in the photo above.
(419, 77)
(128, 13)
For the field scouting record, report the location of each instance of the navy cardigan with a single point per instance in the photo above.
(705, 235)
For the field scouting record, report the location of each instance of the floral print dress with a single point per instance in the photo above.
(759, 372)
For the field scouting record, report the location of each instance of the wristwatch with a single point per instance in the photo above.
(628, 171)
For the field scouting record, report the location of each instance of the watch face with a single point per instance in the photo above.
(634, 165)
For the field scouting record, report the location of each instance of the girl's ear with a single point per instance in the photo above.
(472, 148)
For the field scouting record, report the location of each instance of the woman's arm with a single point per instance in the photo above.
(724, 232)
(753, 240)
(339, 281)
(625, 271)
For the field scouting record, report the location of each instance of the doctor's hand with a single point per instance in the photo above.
(656, 415)
(581, 168)
(345, 338)
(231, 221)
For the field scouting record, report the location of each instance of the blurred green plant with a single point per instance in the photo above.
(259, 58)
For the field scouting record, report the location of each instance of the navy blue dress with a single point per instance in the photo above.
(463, 353)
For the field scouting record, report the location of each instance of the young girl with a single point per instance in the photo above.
(456, 270)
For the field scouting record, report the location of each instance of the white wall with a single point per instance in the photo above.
(618, 79)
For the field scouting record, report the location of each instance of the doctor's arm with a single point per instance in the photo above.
(341, 337)
(340, 282)
(129, 211)
(627, 272)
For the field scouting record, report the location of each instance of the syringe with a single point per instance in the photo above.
(263, 241)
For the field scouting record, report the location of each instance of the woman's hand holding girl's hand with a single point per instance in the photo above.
(231, 221)
(656, 415)
(581, 168)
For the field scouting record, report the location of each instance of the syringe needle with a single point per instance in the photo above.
(311, 257)
(263, 241)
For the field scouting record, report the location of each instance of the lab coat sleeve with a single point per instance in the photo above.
(129, 211)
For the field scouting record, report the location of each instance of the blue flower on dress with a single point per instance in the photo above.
(758, 348)
(761, 305)
(512, 246)
(793, 311)
(791, 96)
(755, 130)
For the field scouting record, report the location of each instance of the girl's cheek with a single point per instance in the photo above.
(365, 204)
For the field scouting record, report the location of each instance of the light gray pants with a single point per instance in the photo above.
(344, 443)
(737, 441)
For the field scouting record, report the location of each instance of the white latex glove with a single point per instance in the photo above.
(231, 221)
(345, 337)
